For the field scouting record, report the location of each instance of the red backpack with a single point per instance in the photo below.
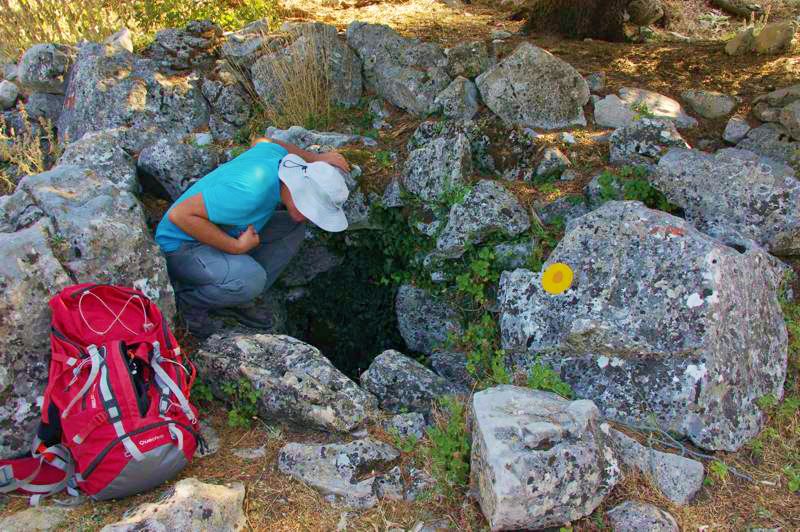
(116, 417)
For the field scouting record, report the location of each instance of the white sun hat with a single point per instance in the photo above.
(318, 191)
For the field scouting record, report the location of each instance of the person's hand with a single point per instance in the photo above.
(247, 240)
(334, 158)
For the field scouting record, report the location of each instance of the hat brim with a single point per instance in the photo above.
(328, 218)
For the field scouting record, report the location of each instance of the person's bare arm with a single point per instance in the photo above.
(331, 157)
(191, 216)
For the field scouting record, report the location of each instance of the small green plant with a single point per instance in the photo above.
(405, 444)
(384, 158)
(202, 391)
(630, 183)
(478, 275)
(543, 378)
(717, 471)
(793, 477)
(642, 111)
(449, 452)
(243, 400)
(547, 188)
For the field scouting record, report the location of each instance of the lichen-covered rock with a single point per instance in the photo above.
(552, 161)
(563, 210)
(111, 88)
(441, 156)
(8, 94)
(195, 46)
(189, 505)
(317, 140)
(468, 59)
(642, 143)
(424, 321)
(459, 100)
(403, 384)
(661, 320)
(312, 259)
(634, 104)
(487, 208)
(735, 130)
(176, 165)
(44, 68)
(733, 197)
(408, 425)
(531, 87)
(36, 519)
(452, 366)
(790, 118)
(709, 104)
(407, 72)
(102, 153)
(44, 105)
(772, 140)
(634, 516)
(29, 275)
(298, 385)
(243, 47)
(314, 45)
(513, 255)
(230, 105)
(538, 460)
(334, 469)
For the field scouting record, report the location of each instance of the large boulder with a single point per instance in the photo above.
(731, 195)
(243, 47)
(532, 87)
(774, 141)
(442, 156)
(297, 384)
(488, 208)
(312, 46)
(538, 460)
(335, 469)
(176, 165)
(643, 142)
(189, 505)
(44, 68)
(403, 384)
(230, 105)
(110, 88)
(406, 72)
(633, 104)
(661, 320)
(424, 320)
(193, 47)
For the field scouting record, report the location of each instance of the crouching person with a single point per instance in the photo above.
(232, 233)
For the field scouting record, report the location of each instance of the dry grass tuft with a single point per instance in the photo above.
(30, 150)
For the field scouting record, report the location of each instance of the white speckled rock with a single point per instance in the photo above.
(176, 165)
(643, 143)
(299, 385)
(661, 320)
(634, 516)
(538, 460)
(408, 425)
(189, 505)
(532, 87)
(44, 68)
(734, 197)
(632, 104)
(709, 104)
(424, 321)
(459, 100)
(774, 141)
(735, 130)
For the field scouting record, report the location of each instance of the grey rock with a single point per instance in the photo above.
(468, 59)
(709, 104)
(411, 424)
(517, 160)
(402, 383)
(176, 165)
(392, 196)
(254, 453)
(538, 460)
(377, 106)
(109, 89)
(299, 385)
(634, 516)
(441, 156)
(500, 34)
(420, 483)
(406, 72)
(735, 130)
(44, 105)
(44, 68)
(202, 139)
(634, 104)
(390, 485)
(230, 105)
(790, 119)
(741, 43)
(567, 138)
(245, 46)
(334, 469)
(596, 81)
(312, 45)
(678, 478)
(36, 519)
(8, 94)
(533, 88)
(322, 140)
(9, 71)
(312, 259)
(121, 40)
(101, 153)
(211, 438)
(459, 100)
(553, 161)
(779, 97)
(424, 321)
(193, 47)
(654, 324)
(189, 505)
(643, 143)
(774, 38)
(569, 175)
(18, 211)
(487, 208)
(565, 209)
(452, 366)
(732, 196)
(772, 140)
(510, 256)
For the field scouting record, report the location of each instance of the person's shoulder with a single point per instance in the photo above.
(265, 146)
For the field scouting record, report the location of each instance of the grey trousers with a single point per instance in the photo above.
(205, 277)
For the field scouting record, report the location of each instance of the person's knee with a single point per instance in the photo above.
(253, 283)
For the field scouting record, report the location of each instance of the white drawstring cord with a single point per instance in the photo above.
(117, 317)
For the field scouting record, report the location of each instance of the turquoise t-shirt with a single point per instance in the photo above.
(239, 193)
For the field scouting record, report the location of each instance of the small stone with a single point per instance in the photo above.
(633, 105)
(420, 483)
(452, 365)
(553, 161)
(307, 139)
(8, 94)
(565, 209)
(774, 141)
(634, 516)
(211, 438)
(44, 67)
(459, 100)
(500, 34)
(736, 129)
(569, 175)
(742, 43)
(596, 81)
(510, 256)
(709, 104)
(203, 139)
(643, 143)
(468, 59)
(254, 453)
(390, 485)
(790, 119)
(568, 138)
(121, 40)
(411, 424)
